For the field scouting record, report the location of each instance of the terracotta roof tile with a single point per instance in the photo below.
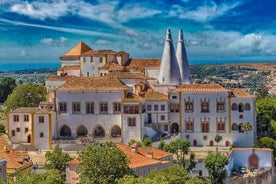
(4, 142)
(25, 110)
(76, 51)
(141, 63)
(201, 88)
(157, 153)
(249, 149)
(82, 84)
(237, 92)
(73, 67)
(73, 162)
(12, 163)
(111, 66)
(154, 96)
(127, 75)
(99, 52)
(136, 159)
(133, 98)
(57, 78)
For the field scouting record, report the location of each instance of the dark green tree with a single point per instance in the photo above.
(266, 142)
(103, 164)
(2, 129)
(7, 84)
(215, 163)
(217, 139)
(57, 159)
(147, 141)
(262, 91)
(181, 148)
(26, 95)
(48, 177)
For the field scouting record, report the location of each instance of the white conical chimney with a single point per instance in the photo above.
(169, 69)
(182, 60)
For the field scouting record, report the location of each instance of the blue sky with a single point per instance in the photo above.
(231, 30)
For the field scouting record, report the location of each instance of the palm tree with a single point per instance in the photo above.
(246, 127)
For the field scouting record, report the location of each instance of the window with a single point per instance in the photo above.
(247, 107)
(234, 107)
(174, 107)
(241, 107)
(235, 127)
(76, 107)
(163, 107)
(166, 127)
(103, 107)
(241, 116)
(174, 97)
(148, 107)
(62, 107)
(220, 127)
(101, 59)
(131, 109)
(189, 107)
(89, 107)
(205, 126)
(149, 118)
(131, 121)
(87, 74)
(16, 118)
(162, 117)
(205, 107)
(116, 107)
(187, 136)
(155, 107)
(17, 129)
(41, 134)
(26, 130)
(41, 119)
(189, 126)
(221, 106)
(26, 118)
(205, 137)
(13, 132)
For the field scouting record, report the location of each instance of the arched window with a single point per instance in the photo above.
(82, 131)
(247, 107)
(116, 131)
(220, 126)
(241, 107)
(211, 143)
(253, 161)
(194, 142)
(65, 131)
(189, 126)
(235, 127)
(99, 132)
(234, 107)
(174, 128)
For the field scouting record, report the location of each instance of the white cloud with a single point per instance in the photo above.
(41, 10)
(102, 42)
(203, 13)
(52, 42)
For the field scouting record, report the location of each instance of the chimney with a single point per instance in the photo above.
(149, 154)
(169, 68)
(134, 148)
(182, 60)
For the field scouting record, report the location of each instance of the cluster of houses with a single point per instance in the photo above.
(103, 95)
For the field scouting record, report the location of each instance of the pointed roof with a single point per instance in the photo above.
(77, 51)
(182, 60)
(169, 69)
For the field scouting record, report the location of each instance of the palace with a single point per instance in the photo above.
(105, 95)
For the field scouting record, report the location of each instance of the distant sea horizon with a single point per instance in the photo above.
(10, 66)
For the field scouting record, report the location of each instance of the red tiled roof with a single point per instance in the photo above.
(74, 162)
(157, 153)
(241, 92)
(249, 149)
(136, 159)
(201, 88)
(127, 75)
(111, 65)
(4, 142)
(140, 64)
(81, 84)
(76, 51)
(99, 52)
(154, 96)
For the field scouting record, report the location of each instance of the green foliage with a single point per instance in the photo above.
(57, 159)
(169, 175)
(48, 177)
(2, 129)
(266, 112)
(266, 142)
(215, 163)
(147, 141)
(7, 84)
(103, 164)
(180, 148)
(262, 91)
(161, 145)
(217, 138)
(26, 95)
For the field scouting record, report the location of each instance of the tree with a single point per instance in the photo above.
(246, 127)
(48, 177)
(181, 148)
(266, 142)
(2, 129)
(7, 84)
(105, 163)
(262, 91)
(217, 139)
(215, 163)
(26, 95)
(147, 141)
(57, 159)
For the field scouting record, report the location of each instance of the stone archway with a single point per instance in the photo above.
(82, 131)
(65, 131)
(99, 132)
(174, 128)
(253, 161)
(115, 132)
